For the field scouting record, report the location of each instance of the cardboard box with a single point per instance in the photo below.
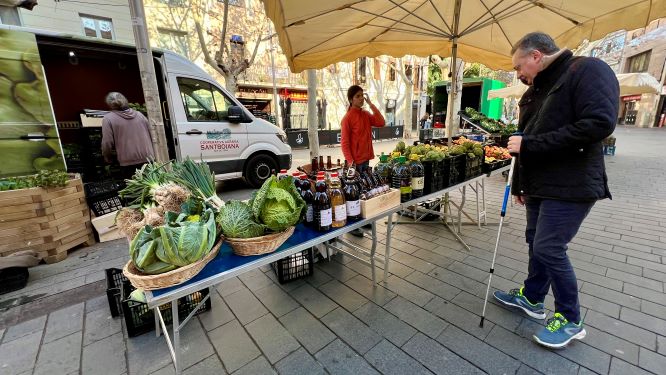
(88, 122)
(106, 227)
(379, 204)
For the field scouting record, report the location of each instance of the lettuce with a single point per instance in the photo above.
(277, 204)
(237, 221)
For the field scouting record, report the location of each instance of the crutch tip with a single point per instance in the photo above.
(481, 322)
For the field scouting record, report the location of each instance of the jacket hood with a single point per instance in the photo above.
(128, 114)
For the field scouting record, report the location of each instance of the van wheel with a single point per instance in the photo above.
(259, 169)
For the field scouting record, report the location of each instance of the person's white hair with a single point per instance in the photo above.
(116, 101)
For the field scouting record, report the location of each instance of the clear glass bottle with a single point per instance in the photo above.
(338, 202)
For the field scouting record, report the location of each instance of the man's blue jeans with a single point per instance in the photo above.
(551, 225)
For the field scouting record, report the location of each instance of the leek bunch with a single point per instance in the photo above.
(199, 180)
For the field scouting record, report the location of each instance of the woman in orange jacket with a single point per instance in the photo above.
(356, 129)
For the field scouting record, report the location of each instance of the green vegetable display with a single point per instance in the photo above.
(277, 204)
(237, 221)
(199, 179)
(490, 125)
(44, 179)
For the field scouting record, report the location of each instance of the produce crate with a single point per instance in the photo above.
(140, 319)
(105, 204)
(434, 179)
(50, 221)
(294, 266)
(497, 164)
(114, 290)
(95, 189)
(371, 207)
(453, 167)
(13, 278)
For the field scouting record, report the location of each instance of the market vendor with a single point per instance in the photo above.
(125, 131)
(356, 129)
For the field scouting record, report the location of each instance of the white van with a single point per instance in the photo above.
(202, 120)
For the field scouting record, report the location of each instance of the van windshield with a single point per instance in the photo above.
(203, 101)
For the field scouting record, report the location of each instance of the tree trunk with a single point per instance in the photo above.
(231, 84)
(313, 129)
(454, 105)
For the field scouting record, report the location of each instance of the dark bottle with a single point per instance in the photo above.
(353, 198)
(329, 165)
(315, 165)
(383, 168)
(401, 179)
(308, 197)
(321, 162)
(374, 186)
(339, 165)
(296, 176)
(282, 174)
(418, 173)
(323, 215)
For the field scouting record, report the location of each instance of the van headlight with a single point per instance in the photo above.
(283, 138)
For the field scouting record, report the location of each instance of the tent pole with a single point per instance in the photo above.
(454, 71)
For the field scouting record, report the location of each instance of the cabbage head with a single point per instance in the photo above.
(277, 204)
(237, 221)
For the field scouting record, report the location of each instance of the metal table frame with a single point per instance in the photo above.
(366, 257)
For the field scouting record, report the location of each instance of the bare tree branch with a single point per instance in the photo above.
(223, 44)
(202, 43)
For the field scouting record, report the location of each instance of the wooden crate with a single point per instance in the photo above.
(380, 203)
(50, 221)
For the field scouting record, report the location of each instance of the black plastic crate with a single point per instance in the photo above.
(140, 319)
(114, 290)
(13, 278)
(472, 168)
(294, 266)
(453, 167)
(103, 188)
(105, 204)
(433, 179)
(497, 164)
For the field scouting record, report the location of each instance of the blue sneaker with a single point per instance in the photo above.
(515, 298)
(558, 332)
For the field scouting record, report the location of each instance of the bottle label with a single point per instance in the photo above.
(353, 208)
(325, 217)
(405, 190)
(418, 183)
(340, 212)
(309, 214)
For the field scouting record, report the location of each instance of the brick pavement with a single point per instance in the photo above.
(423, 320)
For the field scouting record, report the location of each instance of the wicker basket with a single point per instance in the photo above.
(259, 245)
(171, 278)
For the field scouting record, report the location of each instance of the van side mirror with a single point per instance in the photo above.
(235, 114)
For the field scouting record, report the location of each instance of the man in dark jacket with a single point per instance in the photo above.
(570, 107)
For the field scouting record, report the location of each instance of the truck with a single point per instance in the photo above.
(474, 95)
(52, 91)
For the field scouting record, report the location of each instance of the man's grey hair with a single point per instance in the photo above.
(116, 101)
(539, 41)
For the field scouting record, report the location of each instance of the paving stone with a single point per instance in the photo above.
(652, 361)
(396, 268)
(621, 329)
(416, 316)
(636, 280)
(99, 324)
(619, 367)
(233, 345)
(310, 332)
(526, 370)
(105, 356)
(644, 321)
(654, 275)
(540, 358)
(299, 363)
(433, 258)
(612, 345)
(594, 278)
(147, 353)
(661, 345)
(477, 352)
(643, 293)
(287, 287)
(647, 264)
(507, 318)
(433, 285)
(578, 352)
(412, 261)
(259, 366)
(313, 300)
(24, 329)
(384, 323)
(319, 278)
(459, 281)
(272, 338)
(437, 358)
(408, 291)
(61, 356)
(653, 309)
(340, 359)
(255, 280)
(459, 317)
(64, 322)
(245, 306)
(377, 294)
(390, 360)
(209, 366)
(343, 295)
(276, 299)
(351, 330)
(611, 295)
(97, 303)
(218, 315)
(336, 270)
(599, 305)
(484, 266)
(230, 286)
(637, 254)
(20, 355)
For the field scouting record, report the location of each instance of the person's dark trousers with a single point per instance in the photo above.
(362, 167)
(551, 225)
(127, 171)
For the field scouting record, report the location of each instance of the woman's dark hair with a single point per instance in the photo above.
(351, 91)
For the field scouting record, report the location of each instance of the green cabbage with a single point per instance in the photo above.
(237, 221)
(277, 204)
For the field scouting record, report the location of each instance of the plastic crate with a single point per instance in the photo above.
(13, 279)
(114, 290)
(294, 266)
(497, 164)
(140, 319)
(453, 167)
(105, 204)
(104, 188)
(472, 168)
(434, 180)
(103, 196)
